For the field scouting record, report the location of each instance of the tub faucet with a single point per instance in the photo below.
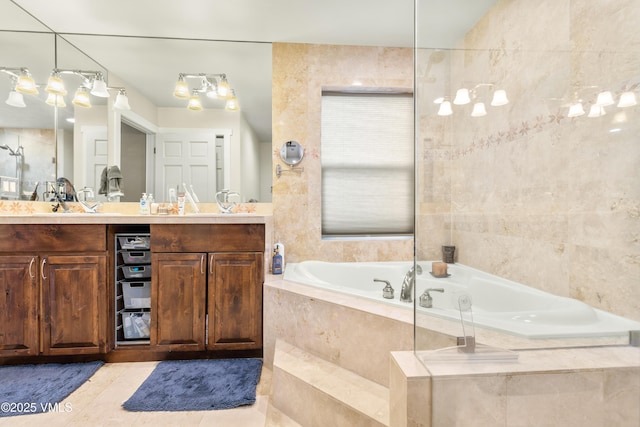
(407, 283)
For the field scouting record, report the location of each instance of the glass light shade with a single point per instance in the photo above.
(479, 110)
(224, 90)
(55, 85)
(99, 88)
(81, 98)
(194, 103)
(462, 97)
(213, 92)
(445, 109)
(576, 110)
(499, 98)
(596, 111)
(122, 102)
(438, 100)
(56, 100)
(181, 90)
(627, 99)
(27, 85)
(232, 103)
(604, 98)
(16, 99)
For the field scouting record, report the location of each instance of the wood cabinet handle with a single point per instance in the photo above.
(211, 264)
(44, 261)
(33, 260)
(202, 270)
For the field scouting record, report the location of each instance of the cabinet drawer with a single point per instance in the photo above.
(207, 238)
(53, 237)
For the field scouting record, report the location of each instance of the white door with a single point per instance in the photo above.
(189, 158)
(95, 146)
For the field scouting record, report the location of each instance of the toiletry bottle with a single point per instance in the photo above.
(280, 248)
(276, 267)
(181, 199)
(144, 205)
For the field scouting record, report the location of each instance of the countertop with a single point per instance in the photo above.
(14, 212)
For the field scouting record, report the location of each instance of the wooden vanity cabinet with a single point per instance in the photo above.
(206, 287)
(19, 302)
(53, 297)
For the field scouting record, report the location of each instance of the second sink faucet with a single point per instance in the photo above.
(408, 282)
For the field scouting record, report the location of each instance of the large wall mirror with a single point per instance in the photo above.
(80, 142)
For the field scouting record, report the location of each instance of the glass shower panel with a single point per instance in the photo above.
(526, 161)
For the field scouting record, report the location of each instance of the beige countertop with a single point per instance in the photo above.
(23, 212)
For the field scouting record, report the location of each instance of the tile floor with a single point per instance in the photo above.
(98, 403)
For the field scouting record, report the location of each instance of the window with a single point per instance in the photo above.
(367, 164)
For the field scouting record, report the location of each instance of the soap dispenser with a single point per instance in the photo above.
(276, 267)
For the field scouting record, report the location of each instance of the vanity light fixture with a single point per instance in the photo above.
(627, 99)
(22, 83)
(81, 98)
(465, 96)
(16, 99)
(194, 102)
(462, 97)
(55, 85)
(232, 102)
(122, 100)
(224, 90)
(214, 86)
(576, 110)
(445, 108)
(56, 100)
(92, 81)
(596, 111)
(499, 98)
(26, 84)
(182, 89)
(605, 98)
(99, 87)
(479, 110)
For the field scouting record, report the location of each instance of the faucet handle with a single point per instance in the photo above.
(426, 300)
(387, 291)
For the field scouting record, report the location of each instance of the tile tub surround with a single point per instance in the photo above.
(568, 387)
(300, 72)
(527, 193)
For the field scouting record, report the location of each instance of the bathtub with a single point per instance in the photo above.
(492, 302)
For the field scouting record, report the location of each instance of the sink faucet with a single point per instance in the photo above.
(90, 209)
(61, 201)
(407, 283)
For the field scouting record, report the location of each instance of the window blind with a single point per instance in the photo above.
(367, 159)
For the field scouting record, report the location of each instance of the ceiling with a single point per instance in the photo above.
(146, 43)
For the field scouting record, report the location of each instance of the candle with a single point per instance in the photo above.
(439, 269)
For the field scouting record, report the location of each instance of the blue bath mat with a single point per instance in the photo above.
(198, 385)
(31, 389)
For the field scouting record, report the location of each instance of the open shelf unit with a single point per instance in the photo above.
(133, 288)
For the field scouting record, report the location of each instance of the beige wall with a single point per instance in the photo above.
(299, 73)
(526, 192)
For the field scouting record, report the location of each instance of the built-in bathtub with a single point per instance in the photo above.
(496, 304)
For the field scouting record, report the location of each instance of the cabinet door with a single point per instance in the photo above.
(19, 298)
(178, 283)
(235, 300)
(74, 304)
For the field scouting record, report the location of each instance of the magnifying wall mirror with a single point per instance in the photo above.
(291, 153)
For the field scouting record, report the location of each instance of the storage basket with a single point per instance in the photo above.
(136, 271)
(136, 325)
(134, 242)
(136, 294)
(136, 257)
